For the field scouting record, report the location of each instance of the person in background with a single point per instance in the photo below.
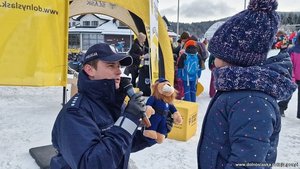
(189, 70)
(176, 50)
(242, 122)
(211, 66)
(184, 37)
(205, 41)
(202, 51)
(93, 130)
(279, 50)
(295, 56)
(178, 83)
(137, 52)
(292, 37)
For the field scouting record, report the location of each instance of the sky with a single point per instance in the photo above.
(205, 10)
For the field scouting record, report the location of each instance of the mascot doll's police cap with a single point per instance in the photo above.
(160, 80)
(245, 39)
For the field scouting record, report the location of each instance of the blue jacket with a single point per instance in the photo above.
(296, 47)
(181, 72)
(90, 132)
(242, 122)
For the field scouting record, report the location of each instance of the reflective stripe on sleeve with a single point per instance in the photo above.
(126, 124)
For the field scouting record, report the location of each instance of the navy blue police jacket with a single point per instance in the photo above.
(242, 123)
(91, 132)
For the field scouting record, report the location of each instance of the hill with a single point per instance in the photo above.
(199, 28)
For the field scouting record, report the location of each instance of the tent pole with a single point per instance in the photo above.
(177, 31)
(64, 95)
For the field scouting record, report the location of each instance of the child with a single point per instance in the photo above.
(295, 56)
(211, 66)
(189, 70)
(242, 123)
(279, 49)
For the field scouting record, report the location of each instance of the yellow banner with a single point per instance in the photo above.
(33, 43)
(154, 39)
(141, 9)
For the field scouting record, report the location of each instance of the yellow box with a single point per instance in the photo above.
(187, 129)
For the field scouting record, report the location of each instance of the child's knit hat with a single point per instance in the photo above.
(246, 38)
(190, 43)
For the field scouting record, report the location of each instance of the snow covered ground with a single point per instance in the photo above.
(28, 113)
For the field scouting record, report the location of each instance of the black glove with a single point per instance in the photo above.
(170, 122)
(136, 106)
(124, 82)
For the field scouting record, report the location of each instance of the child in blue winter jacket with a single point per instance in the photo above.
(189, 69)
(242, 122)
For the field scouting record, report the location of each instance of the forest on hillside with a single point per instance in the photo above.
(199, 28)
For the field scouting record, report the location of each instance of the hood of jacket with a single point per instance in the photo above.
(103, 90)
(272, 77)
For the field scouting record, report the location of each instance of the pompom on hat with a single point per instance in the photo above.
(245, 39)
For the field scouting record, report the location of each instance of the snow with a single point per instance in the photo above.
(28, 113)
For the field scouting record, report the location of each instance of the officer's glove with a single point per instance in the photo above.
(136, 107)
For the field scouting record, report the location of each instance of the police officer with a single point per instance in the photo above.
(91, 131)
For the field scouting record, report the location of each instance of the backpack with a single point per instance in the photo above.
(191, 64)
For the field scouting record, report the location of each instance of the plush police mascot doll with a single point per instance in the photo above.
(161, 100)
